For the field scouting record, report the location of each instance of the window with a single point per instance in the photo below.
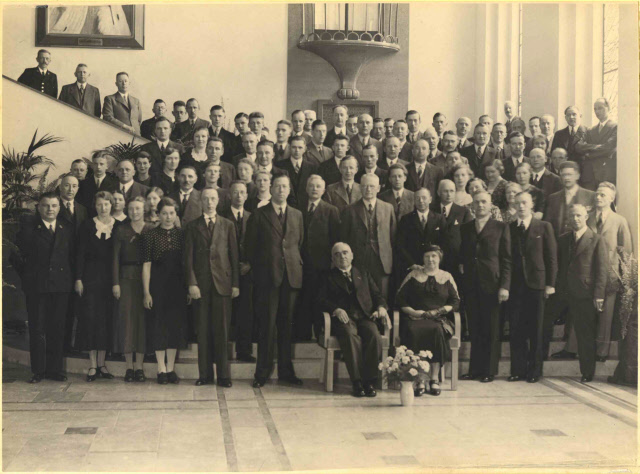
(349, 16)
(611, 38)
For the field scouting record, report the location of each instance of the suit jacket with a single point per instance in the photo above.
(80, 215)
(383, 176)
(384, 164)
(502, 154)
(135, 190)
(148, 128)
(412, 240)
(118, 112)
(334, 292)
(162, 181)
(439, 161)
(48, 84)
(273, 249)
(510, 169)
(87, 190)
(615, 233)
(486, 257)
(321, 231)
(331, 135)
(192, 210)
(336, 194)
(183, 131)
(212, 258)
(406, 152)
(549, 183)
(563, 139)
(354, 229)
(236, 159)
(330, 172)
(240, 228)
(90, 103)
(599, 150)
(279, 155)
(407, 202)
(463, 144)
(583, 272)
(355, 148)
(557, 212)
(298, 195)
(314, 156)
(477, 166)
(228, 141)
(452, 240)
(539, 255)
(157, 159)
(431, 177)
(419, 135)
(46, 261)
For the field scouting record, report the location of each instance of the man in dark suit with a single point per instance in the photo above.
(582, 277)
(510, 110)
(340, 115)
(101, 181)
(400, 131)
(455, 216)
(317, 153)
(421, 173)
(463, 125)
(215, 151)
(417, 230)
(250, 148)
(346, 191)
(299, 169)
(497, 141)
(213, 276)
(156, 147)
(216, 130)
(413, 119)
(82, 95)
(541, 177)
(79, 169)
(355, 304)
(121, 108)
(486, 268)
(126, 185)
(321, 231)
(369, 227)
(183, 131)
(516, 146)
(568, 137)
(148, 127)
(479, 154)
(533, 279)
(45, 268)
(363, 138)
(40, 78)
(431, 137)
(391, 154)
(598, 148)
(242, 306)
(188, 198)
(330, 169)
(281, 150)
(298, 120)
(400, 198)
(275, 233)
(256, 125)
(371, 159)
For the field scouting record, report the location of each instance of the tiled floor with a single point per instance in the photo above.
(113, 426)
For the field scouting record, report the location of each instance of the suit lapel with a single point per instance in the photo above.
(339, 280)
(121, 100)
(362, 213)
(201, 225)
(217, 233)
(584, 242)
(273, 218)
(342, 192)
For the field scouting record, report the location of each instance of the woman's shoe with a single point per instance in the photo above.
(92, 377)
(104, 373)
(162, 378)
(172, 377)
(128, 376)
(434, 388)
(139, 376)
(419, 390)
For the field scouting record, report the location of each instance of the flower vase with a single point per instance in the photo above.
(406, 393)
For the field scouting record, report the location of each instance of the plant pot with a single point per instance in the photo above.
(406, 394)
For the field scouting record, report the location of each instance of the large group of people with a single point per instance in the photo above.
(211, 235)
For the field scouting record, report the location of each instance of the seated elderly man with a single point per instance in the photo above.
(352, 298)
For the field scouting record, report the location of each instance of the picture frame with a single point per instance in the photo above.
(90, 26)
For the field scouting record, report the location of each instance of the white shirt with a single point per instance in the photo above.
(338, 160)
(81, 86)
(604, 214)
(369, 203)
(295, 163)
(420, 167)
(423, 215)
(391, 162)
(517, 161)
(42, 71)
(480, 149)
(398, 194)
(266, 168)
(340, 131)
(126, 186)
(363, 140)
(99, 181)
(448, 208)
(124, 96)
(185, 195)
(602, 124)
(208, 218)
(70, 203)
(51, 225)
(162, 144)
(314, 203)
(235, 211)
(277, 207)
(580, 233)
(348, 185)
(526, 221)
(538, 175)
(570, 193)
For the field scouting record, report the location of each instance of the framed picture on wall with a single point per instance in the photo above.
(90, 26)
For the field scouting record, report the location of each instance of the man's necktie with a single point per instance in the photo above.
(521, 228)
(81, 95)
(444, 211)
(347, 275)
(69, 207)
(210, 226)
(312, 208)
(281, 216)
(123, 190)
(97, 183)
(574, 243)
(296, 167)
(599, 223)
(321, 151)
(572, 132)
(420, 171)
(349, 193)
(398, 205)
(370, 210)
(423, 221)
(51, 231)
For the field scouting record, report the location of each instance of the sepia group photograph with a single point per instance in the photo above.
(269, 236)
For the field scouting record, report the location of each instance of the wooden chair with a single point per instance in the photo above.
(454, 344)
(330, 344)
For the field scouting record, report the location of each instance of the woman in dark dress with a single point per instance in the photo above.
(129, 316)
(427, 297)
(117, 211)
(93, 286)
(197, 155)
(165, 292)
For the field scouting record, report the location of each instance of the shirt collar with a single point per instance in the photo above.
(571, 192)
(235, 211)
(315, 204)
(81, 86)
(127, 186)
(124, 96)
(268, 168)
(605, 213)
(517, 161)
(448, 206)
(208, 217)
(166, 144)
(185, 193)
(481, 148)
(277, 207)
(580, 233)
(526, 222)
(340, 131)
(345, 184)
(424, 214)
(64, 203)
(602, 124)
(398, 194)
(392, 162)
(50, 224)
(346, 270)
(371, 202)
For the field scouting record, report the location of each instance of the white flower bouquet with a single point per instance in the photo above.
(406, 366)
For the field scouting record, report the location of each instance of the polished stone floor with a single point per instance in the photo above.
(112, 426)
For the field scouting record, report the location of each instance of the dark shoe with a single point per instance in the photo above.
(224, 383)
(172, 377)
(201, 382)
(129, 375)
(559, 322)
(56, 377)
(358, 390)
(563, 355)
(601, 358)
(292, 379)
(258, 382)
(468, 377)
(487, 379)
(102, 372)
(419, 390)
(514, 378)
(36, 378)
(162, 378)
(533, 379)
(586, 379)
(369, 391)
(91, 377)
(245, 358)
(139, 376)
(435, 391)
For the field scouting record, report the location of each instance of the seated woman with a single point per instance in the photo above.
(427, 297)
(475, 185)
(509, 212)
(461, 176)
(496, 184)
